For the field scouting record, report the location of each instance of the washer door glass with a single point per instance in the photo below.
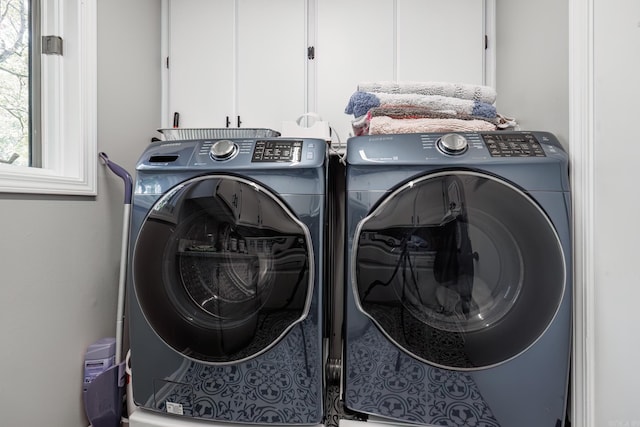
(461, 270)
(222, 269)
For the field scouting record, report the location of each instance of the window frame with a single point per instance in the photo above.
(68, 113)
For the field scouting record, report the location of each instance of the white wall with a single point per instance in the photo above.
(617, 199)
(532, 84)
(59, 256)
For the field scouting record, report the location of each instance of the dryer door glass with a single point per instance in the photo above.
(222, 269)
(460, 269)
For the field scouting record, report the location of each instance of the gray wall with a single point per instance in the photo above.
(60, 256)
(532, 72)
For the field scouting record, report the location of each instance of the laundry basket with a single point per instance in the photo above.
(175, 134)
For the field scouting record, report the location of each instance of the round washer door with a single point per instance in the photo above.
(460, 269)
(222, 269)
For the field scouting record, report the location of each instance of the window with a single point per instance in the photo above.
(14, 81)
(48, 101)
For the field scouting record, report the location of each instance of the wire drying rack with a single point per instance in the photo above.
(177, 134)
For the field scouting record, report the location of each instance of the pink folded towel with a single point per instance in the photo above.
(386, 125)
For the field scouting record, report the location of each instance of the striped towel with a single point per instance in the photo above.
(361, 102)
(424, 113)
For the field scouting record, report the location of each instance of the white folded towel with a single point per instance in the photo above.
(455, 90)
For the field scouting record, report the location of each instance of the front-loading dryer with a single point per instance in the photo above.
(226, 278)
(458, 279)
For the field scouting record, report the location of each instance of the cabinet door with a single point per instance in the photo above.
(241, 59)
(271, 62)
(355, 42)
(201, 61)
(441, 40)
(369, 40)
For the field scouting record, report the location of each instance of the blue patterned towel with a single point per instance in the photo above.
(361, 102)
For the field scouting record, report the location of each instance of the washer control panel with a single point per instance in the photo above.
(235, 154)
(277, 151)
(513, 145)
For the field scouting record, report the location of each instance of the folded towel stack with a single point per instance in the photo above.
(408, 107)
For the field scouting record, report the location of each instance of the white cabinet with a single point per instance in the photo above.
(369, 40)
(246, 60)
(272, 55)
(235, 62)
(201, 60)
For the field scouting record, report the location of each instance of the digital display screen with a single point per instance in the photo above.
(277, 151)
(513, 145)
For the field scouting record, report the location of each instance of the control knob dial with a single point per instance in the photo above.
(453, 143)
(223, 149)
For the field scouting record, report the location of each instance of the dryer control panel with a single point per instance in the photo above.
(513, 145)
(454, 148)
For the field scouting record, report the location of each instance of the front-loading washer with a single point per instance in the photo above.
(226, 278)
(458, 279)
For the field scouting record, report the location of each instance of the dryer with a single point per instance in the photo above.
(226, 280)
(458, 280)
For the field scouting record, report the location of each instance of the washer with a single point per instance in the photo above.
(458, 280)
(226, 280)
